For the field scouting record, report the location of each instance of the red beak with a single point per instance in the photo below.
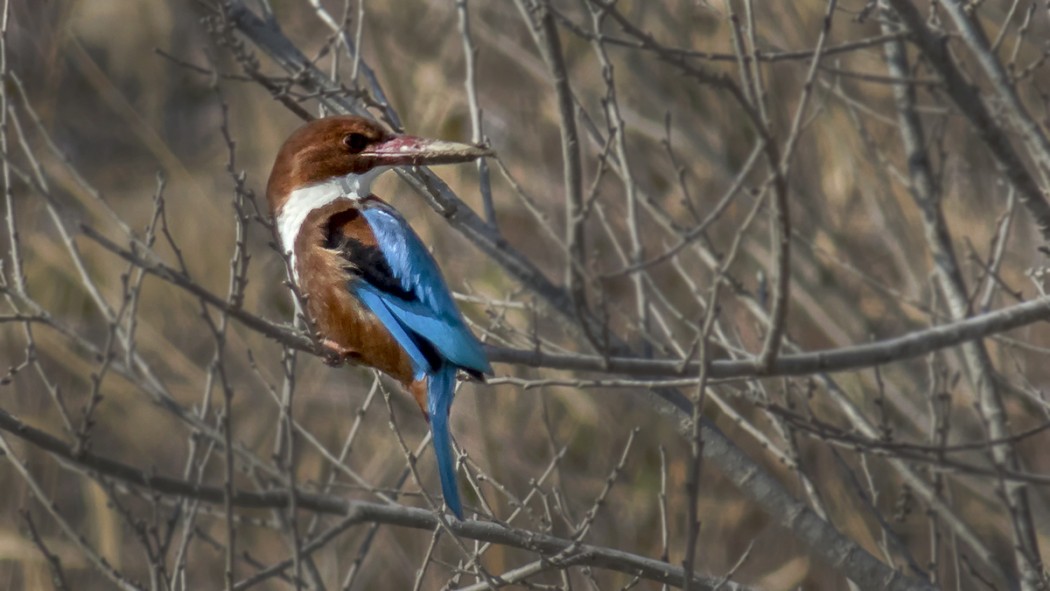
(407, 150)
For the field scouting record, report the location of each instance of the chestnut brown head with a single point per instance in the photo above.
(354, 148)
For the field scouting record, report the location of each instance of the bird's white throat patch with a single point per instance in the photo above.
(306, 199)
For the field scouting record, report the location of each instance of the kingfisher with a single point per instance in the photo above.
(370, 286)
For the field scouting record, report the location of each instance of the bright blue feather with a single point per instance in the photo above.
(432, 315)
(441, 386)
(439, 400)
(377, 303)
(463, 351)
(429, 314)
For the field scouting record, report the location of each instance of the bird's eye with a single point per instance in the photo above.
(355, 142)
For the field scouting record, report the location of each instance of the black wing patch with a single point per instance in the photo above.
(365, 260)
(367, 263)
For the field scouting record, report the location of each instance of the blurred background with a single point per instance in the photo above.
(124, 106)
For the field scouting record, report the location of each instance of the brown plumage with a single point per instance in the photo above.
(324, 274)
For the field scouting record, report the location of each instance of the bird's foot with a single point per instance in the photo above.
(334, 354)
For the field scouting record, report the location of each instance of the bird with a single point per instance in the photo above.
(369, 285)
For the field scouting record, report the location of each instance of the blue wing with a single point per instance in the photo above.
(420, 303)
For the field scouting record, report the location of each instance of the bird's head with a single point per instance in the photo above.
(352, 151)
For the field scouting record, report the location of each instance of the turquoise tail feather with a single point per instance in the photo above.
(441, 387)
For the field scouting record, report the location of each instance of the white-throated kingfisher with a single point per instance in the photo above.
(370, 286)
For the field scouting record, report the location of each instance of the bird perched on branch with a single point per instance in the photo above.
(370, 286)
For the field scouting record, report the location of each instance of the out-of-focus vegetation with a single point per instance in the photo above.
(140, 95)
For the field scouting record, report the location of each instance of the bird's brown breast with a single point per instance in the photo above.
(324, 279)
